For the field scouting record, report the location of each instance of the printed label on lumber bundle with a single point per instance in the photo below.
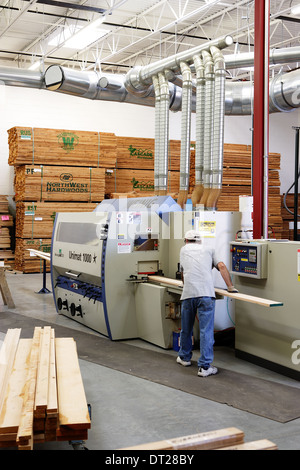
(142, 185)
(70, 187)
(25, 135)
(68, 141)
(146, 154)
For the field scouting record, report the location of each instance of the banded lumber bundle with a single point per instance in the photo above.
(37, 146)
(288, 217)
(5, 240)
(38, 405)
(24, 259)
(36, 219)
(138, 153)
(139, 181)
(58, 183)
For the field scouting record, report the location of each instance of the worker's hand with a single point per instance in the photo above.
(232, 290)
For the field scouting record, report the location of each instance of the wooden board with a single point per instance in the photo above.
(220, 292)
(73, 409)
(13, 403)
(202, 441)
(7, 357)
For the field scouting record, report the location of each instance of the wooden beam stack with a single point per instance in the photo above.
(37, 146)
(37, 403)
(56, 170)
(6, 227)
(58, 183)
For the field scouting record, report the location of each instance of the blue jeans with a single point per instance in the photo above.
(206, 313)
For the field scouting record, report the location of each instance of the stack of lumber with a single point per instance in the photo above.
(221, 439)
(288, 218)
(56, 170)
(6, 225)
(138, 153)
(58, 183)
(37, 146)
(37, 402)
(34, 227)
(134, 175)
(36, 219)
(25, 260)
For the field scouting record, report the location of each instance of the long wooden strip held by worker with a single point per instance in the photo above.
(221, 292)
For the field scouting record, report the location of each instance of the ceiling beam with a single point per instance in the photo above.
(73, 6)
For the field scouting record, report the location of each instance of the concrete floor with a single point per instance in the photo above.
(127, 410)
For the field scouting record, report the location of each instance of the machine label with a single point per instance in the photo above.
(207, 229)
(85, 257)
(124, 247)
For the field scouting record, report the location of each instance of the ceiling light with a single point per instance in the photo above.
(76, 37)
(86, 35)
(296, 9)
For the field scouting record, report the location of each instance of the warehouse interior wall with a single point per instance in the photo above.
(42, 108)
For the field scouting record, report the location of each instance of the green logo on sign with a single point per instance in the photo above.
(68, 141)
(148, 186)
(140, 153)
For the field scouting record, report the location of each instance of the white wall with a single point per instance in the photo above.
(41, 108)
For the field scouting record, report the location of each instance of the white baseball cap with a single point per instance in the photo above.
(193, 235)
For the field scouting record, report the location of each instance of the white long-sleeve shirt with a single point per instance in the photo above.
(197, 263)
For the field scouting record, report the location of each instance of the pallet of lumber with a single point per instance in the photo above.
(37, 146)
(58, 183)
(138, 153)
(220, 439)
(36, 219)
(287, 213)
(139, 181)
(38, 404)
(25, 261)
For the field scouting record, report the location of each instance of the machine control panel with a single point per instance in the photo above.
(249, 259)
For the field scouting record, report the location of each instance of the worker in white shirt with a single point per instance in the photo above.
(198, 295)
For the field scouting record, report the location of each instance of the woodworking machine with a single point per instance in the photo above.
(101, 263)
(268, 337)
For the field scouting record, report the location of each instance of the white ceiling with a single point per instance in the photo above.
(137, 32)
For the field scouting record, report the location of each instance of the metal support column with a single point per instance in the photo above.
(261, 119)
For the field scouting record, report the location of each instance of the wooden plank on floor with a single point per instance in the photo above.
(73, 409)
(42, 383)
(13, 402)
(202, 441)
(25, 432)
(7, 357)
(262, 444)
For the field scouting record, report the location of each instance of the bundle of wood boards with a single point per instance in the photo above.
(36, 219)
(139, 181)
(6, 226)
(25, 261)
(138, 153)
(288, 216)
(37, 403)
(58, 183)
(37, 146)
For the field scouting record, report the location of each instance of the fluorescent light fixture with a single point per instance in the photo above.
(75, 37)
(36, 65)
(86, 35)
(296, 9)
